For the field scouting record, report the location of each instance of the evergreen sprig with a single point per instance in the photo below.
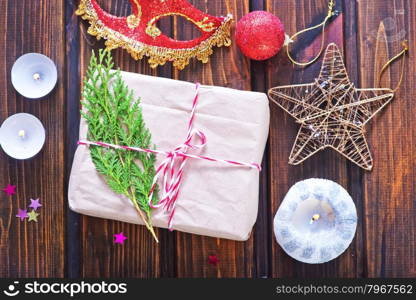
(114, 116)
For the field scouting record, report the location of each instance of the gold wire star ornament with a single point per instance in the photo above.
(331, 112)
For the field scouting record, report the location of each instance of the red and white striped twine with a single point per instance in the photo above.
(172, 176)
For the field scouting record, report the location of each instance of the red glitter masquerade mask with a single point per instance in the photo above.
(139, 35)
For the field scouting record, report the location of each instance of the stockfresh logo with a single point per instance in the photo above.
(71, 289)
(12, 290)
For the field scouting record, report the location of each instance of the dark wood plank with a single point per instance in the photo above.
(355, 174)
(73, 92)
(33, 249)
(297, 15)
(262, 232)
(139, 256)
(167, 249)
(389, 191)
(226, 67)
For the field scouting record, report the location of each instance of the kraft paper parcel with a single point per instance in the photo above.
(216, 199)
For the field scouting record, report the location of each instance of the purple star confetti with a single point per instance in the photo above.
(22, 214)
(10, 190)
(120, 238)
(34, 203)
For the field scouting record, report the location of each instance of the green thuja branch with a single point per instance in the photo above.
(114, 116)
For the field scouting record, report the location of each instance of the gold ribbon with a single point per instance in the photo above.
(405, 46)
(330, 13)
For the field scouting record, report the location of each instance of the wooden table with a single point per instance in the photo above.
(64, 244)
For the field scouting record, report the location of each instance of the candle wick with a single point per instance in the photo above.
(315, 217)
(36, 76)
(22, 134)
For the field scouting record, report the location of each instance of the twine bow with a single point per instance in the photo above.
(168, 168)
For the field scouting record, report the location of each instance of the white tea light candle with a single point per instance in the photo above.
(22, 136)
(316, 221)
(34, 75)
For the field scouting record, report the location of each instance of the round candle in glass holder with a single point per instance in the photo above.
(34, 75)
(316, 221)
(22, 136)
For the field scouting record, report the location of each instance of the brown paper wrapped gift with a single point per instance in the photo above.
(216, 199)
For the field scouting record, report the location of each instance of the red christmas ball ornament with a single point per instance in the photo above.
(260, 35)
